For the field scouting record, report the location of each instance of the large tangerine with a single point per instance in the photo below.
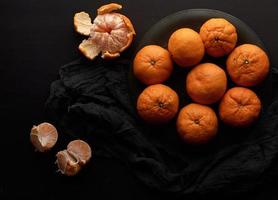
(239, 107)
(219, 37)
(206, 83)
(186, 47)
(197, 124)
(248, 65)
(157, 104)
(152, 65)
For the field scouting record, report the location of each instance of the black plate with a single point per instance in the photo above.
(194, 18)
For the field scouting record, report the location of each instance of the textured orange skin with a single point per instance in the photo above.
(108, 8)
(239, 107)
(206, 83)
(197, 124)
(152, 65)
(186, 47)
(248, 65)
(157, 104)
(219, 37)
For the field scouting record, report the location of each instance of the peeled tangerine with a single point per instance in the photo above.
(110, 34)
(71, 160)
(44, 136)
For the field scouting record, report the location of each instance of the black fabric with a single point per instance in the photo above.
(91, 100)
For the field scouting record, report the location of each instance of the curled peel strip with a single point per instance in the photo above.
(108, 8)
(82, 23)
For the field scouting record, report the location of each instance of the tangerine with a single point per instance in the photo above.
(186, 47)
(197, 124)
(157, 104)
(239, 107)
(110, 33)
(248, 65)
(152, 65)
(206, 83)
(219, 37)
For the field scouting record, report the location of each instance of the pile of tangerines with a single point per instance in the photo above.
(206, 83)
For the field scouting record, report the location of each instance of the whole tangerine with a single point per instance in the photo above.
(157, 104)
(219, 37)
(197, 124)
(152, 65)
(248, 65)
(186, 47)
(239, 107)
(206, 83)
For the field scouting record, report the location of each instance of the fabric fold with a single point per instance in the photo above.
(92, 100)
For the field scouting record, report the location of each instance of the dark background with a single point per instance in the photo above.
(36, 38)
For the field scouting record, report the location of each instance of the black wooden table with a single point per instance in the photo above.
(36, 38)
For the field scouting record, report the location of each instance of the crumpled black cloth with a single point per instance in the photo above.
(91, 100)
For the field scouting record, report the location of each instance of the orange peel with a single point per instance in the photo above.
(110, 33)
